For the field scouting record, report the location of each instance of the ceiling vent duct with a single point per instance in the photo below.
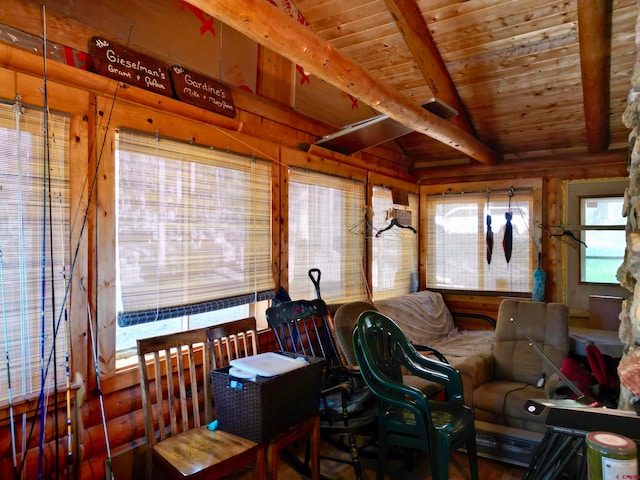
(374, 131)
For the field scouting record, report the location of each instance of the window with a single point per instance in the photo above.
(394, 252)
(457, 228)
(193, 235)
(602, 250)
(34, 247)
(591, 271)
(324, 212)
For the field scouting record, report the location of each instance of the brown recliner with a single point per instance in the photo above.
(517, 369)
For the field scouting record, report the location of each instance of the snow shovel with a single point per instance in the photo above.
(314, 275)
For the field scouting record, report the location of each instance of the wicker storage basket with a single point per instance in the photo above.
(262, 408)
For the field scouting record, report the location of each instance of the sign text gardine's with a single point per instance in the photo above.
(196, 89)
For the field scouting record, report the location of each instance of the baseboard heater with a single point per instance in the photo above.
(506, 444)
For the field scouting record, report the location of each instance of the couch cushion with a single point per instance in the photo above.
(422, 316)
(503, 402)
(545, 323)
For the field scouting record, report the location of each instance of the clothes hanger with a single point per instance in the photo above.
(394, 222)
(567, 233)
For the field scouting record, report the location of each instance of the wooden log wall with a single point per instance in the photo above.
(264, 119)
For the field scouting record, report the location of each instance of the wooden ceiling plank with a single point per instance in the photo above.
(594, 34)
(346, 22)
(273, 29)
(366, 42)
(500, 21)
(560, 34)
(319, 12)
(414, 30)
(519, 75)
(524, 54)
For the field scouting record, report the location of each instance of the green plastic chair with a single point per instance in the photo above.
(407, 419)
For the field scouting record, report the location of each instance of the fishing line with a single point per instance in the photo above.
(253, 149)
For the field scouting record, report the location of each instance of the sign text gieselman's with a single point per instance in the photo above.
(120, 63)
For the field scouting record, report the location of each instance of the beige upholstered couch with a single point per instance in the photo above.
(500, 370)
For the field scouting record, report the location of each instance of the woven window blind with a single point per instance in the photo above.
(322, 210)
(27, 299)
(395, 252)
(456, 242)
(193, 228)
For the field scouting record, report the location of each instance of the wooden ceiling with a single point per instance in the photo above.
(530, 80)
(534, 83)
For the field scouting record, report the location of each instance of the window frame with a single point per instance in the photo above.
(357, 278)
(576, 293)
(72, 103)
(404, 238)
(190, 302)
(601, 228)
(535, 184)
(168, 125)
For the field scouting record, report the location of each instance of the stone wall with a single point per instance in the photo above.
(629, 271)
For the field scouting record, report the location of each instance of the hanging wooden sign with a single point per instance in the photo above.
(201, 91)
(121, 63)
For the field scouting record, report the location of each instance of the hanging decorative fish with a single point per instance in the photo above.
(507, 240)
(489, 238)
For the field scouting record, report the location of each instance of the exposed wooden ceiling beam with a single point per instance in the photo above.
(417, 36)
(594, 34)
(273, 29)
(573, 165)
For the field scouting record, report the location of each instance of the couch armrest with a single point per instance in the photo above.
(550, 385)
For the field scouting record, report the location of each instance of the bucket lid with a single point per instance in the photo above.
(612, 441)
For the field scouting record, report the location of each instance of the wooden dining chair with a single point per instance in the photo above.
(238, 339)
(231, 340)
(177, 404)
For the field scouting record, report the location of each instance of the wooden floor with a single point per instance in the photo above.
(458, 470)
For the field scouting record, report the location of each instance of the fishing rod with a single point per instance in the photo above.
(44, 254)
(25, 347)
(52, 279)
(581, 398)
(67, 332)
(67, 352)
(6, 351)
(91, 193)
(94, 348)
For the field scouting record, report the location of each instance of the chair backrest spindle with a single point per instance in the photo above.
(232, 340)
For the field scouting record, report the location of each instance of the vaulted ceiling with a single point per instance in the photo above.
(529, 80)
(533, 84)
